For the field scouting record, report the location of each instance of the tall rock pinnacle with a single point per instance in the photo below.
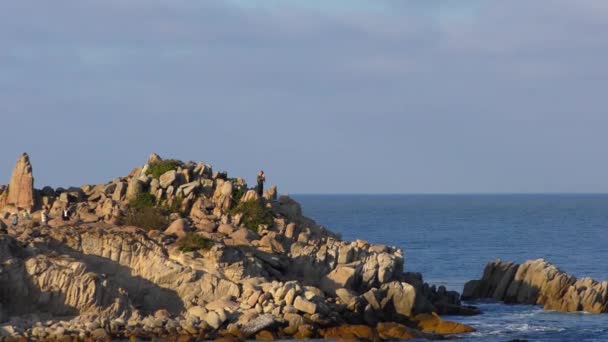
(21, 186)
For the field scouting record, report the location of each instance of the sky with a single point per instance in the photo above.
(332, 96)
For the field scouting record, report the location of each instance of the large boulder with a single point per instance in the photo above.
(167, 178)
(21, 185)
(398, 300)
(304, 305)
(154, 158)
(222, 197)
(340, 277)
(288, 207)
(119, 191)
(244, 236)
(179, 228)
(134, 189)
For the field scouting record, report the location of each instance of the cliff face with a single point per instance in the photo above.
(539, 282)
(257, 266)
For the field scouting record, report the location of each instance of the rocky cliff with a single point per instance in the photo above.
(177, 250)
(538, 282)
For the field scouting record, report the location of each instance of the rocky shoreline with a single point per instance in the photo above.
(537, 282)
(178, 252)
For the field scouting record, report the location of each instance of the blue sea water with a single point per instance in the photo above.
(450, 238)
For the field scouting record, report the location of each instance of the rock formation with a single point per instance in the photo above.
(21, 186)
(176, 250)
(538, 282)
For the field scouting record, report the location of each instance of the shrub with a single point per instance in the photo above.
(148, 218)
(143, 200)
(158, 168)
(254, 214)
(193, 242)
(237, 193)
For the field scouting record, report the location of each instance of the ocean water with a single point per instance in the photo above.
(450, 238)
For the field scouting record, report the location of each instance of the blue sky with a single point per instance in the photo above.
(382, 96)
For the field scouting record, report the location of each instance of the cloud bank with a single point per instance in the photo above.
(404, 96)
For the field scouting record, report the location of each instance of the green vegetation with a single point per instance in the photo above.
(143, 200)
(254, 214)
(158, 168)
(237, 193)
(148, 218)
(193, 242)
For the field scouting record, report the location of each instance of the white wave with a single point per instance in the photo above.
(504, 329)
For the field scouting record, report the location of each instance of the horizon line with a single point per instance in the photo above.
(439, 193)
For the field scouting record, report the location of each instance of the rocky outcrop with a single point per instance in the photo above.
(537, 282)
(203, 270)
(20, 192)
(57, 284)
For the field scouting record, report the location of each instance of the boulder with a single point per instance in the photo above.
(244, 236)
(257, 324)
(250, 195)
(214, 319)
(294, 322)
(189, 188)
(167, 179)
(206, 225)
(386, 267)
(398, 300)
(222, 197)
(346, 296)
(288, 207)
(269, 244)
(290, 231)
(119, 191)
(432, 323)
(346, 254)
(340, 277)
(179, 228)
(21, 185)
(304, 305)
(134, 188)
(225, 229)
(154, 158)
(109, 189)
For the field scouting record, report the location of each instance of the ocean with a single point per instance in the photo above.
(450, 238)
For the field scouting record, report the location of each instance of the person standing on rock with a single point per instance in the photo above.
(44, 216)
(15, 220)
(65, 214)
(26, 215)
(261, 180)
